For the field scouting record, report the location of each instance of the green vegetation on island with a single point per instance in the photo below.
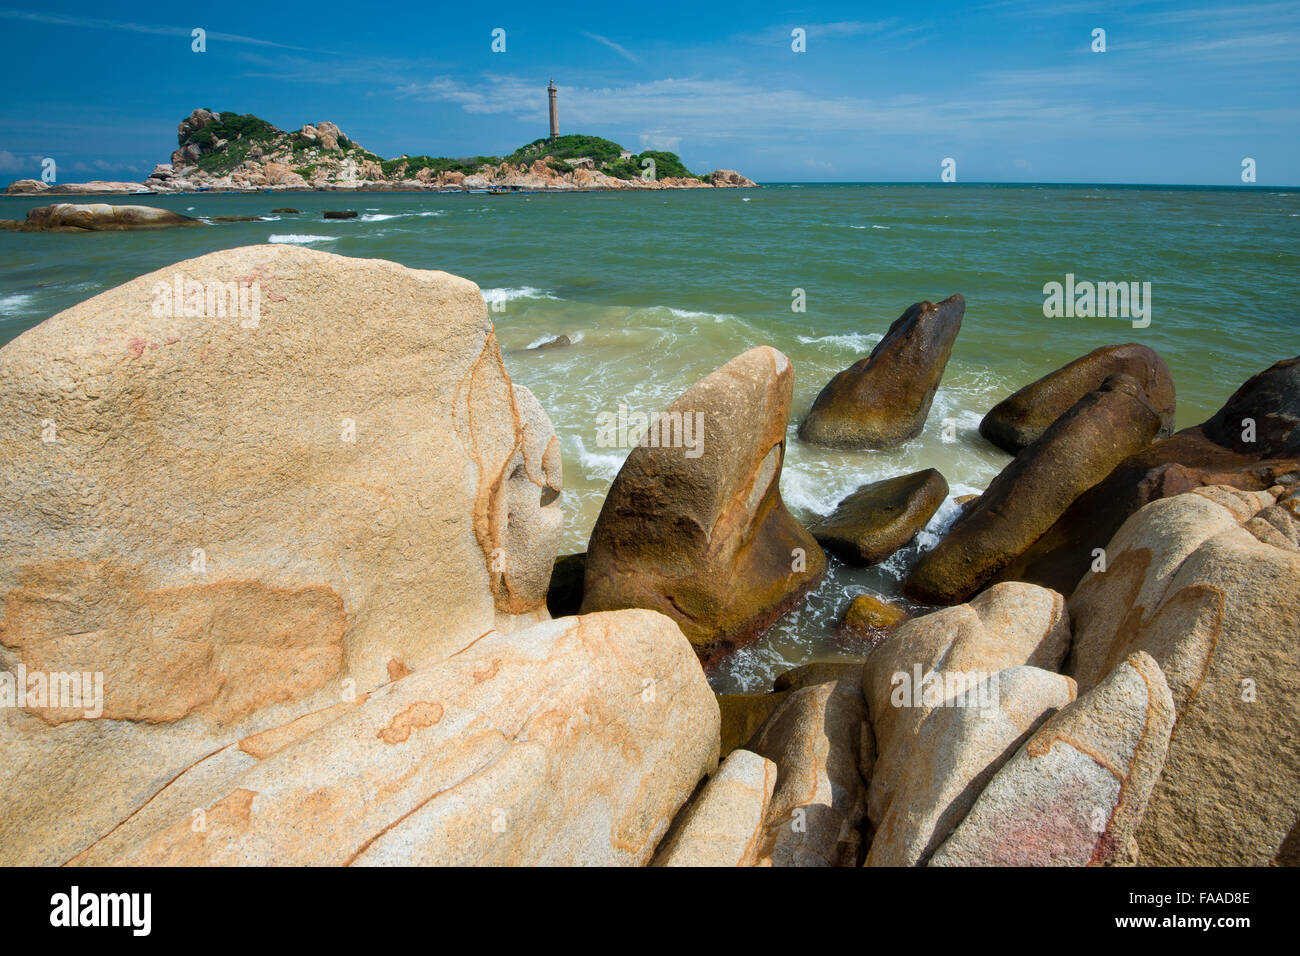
(230, 138)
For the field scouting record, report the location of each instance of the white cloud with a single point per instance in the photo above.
(617, 48)
(92, 23)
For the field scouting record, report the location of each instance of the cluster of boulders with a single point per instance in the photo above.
(312, 611)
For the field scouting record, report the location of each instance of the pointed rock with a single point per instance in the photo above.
(694, 525)
(884, 399)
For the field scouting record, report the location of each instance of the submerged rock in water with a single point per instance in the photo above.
(1208, 584)
(873, 522)
(340, 214)
(1020, 420)
(868, 618)
(884, 399)
(285, 210)
(694, 525)
(239, 524)
(1251, 443)
(558, 342)
(1077, 451)
(1075, 792)
(97, 217)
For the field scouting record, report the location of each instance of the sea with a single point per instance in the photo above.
(656, 289)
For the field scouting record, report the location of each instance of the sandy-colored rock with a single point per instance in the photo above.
(1208, 583)
(1251, 443)
(1077, 451)
(873, 522)
(573, 742)
(907, 675)
(724, 825)
(694, 525)
(1075, 793)
(959, 746)
(94, 217)
(1020, 419)
(814, 737)
(884, 399)
(26, 187)
(241, 520)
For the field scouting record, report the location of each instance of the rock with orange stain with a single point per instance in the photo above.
(724, 825)
(1075, 793)
(925, 659)
(814, 737)
(960, 746)
(694, 525)
(1208, 583)
(324, 480)
(572, 742)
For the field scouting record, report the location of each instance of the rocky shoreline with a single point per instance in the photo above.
(320, 158)
(325, 600)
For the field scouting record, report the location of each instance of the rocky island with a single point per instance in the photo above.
(233, 152)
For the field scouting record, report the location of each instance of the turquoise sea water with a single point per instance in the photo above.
(657, 289)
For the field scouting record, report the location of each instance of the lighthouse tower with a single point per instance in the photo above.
(555, 115)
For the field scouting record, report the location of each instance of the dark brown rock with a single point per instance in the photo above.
(1077, 451)
(884, 399)
(1212, 453)
(340, 214)
(564, 596)
(1021, 419)
(876, 520)
(696, 529)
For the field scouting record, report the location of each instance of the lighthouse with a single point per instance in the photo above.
(555, 115)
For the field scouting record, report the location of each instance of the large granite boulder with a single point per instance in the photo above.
(1252, 443)
(926, 660)
(724, 825)
(1208, 584)
(1020, 419)
(694, 525)
(884, 399)
(976, 726)
(1074, 794)
(873, 522)
(241, 518)
(814, 737)
(1078, 450)
(572, 742)
(96, 217)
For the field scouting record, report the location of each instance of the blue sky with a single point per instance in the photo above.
(884, 92)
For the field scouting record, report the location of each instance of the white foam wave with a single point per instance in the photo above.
(299, 240)
(574, 339)
(598, 465)
(853, 341)
(522, 292)
(18, 302)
